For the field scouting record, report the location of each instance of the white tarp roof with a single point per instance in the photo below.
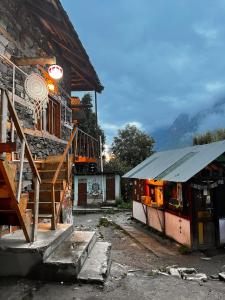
(177, 165)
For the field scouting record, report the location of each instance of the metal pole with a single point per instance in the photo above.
(101, 161)
(96, 109)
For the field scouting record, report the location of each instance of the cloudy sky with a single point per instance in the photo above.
(156, 58)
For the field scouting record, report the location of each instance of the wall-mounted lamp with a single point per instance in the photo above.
(55, 72)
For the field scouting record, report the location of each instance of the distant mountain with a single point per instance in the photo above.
(181, 132)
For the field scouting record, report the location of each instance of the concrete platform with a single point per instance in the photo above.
(65, 263)
(19, 258)
(147, 241)
(97, 265)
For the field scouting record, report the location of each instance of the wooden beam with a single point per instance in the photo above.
(36, 208)
(3, 117)
(30, 61)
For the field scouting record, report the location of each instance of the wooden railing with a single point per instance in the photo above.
(87, 145)
(7, 106)
(69, 164)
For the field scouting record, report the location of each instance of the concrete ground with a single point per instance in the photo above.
(131, 271)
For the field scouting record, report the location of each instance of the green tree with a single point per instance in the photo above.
(116, 165)
(131, 147)
(209, 137)
(89, 124)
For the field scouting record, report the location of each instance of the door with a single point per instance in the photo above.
(82, 193)
(110, 188)
(204, 218)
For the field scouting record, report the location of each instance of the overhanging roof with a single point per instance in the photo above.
(177, 165)
(62, 35)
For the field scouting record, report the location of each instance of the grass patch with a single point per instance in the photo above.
(184, 250)
(103, 222)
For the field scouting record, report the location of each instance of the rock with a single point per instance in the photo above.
(174, 272)
(196, 277)
(205, 258)
(222, 276)
(214, 277)
(187, 270)
(3, 40)
(163, 273)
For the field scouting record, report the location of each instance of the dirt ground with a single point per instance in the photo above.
(131, 275)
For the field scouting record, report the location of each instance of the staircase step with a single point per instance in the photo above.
(4, 192)
(44, 207)
(49, 174)
(46, 185)
(49, 166)
(97, 265)
(45, 216)
(7, 211)
(6, 203)
(45, 196)
(65, 263)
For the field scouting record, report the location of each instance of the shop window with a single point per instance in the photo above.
(174, 198)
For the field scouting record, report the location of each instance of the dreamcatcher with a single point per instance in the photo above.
(37, 91)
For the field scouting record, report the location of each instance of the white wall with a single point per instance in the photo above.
(117, 187)
(156, 218)
(138, 212)
(178, 228)
(98, 179)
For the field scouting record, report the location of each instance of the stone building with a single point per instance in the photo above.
(33, 36)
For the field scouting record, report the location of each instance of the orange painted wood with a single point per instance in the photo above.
(7, 147)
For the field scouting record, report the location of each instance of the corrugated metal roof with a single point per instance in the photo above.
(177, 165)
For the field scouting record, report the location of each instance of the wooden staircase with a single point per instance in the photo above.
(13, 203)
(47, 169)
(11, 212)
(52, 176)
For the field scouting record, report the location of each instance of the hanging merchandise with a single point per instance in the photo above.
(37, 91)
(207, 186)
(179, 194)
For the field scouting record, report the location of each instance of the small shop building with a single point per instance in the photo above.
(181, 193)
(91, 190)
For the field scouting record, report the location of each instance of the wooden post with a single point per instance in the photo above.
(36, 208)
(3, 119)
(53, 219)
(13, 102)
(21, 171)
(68, 167)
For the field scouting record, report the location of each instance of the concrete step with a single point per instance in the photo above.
(22, 259)
(65, 263)
(97, 265)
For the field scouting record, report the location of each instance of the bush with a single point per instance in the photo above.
(120, 203)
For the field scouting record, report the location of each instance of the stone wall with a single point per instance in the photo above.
(25, 114)
(21, 36)
(42, 147)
